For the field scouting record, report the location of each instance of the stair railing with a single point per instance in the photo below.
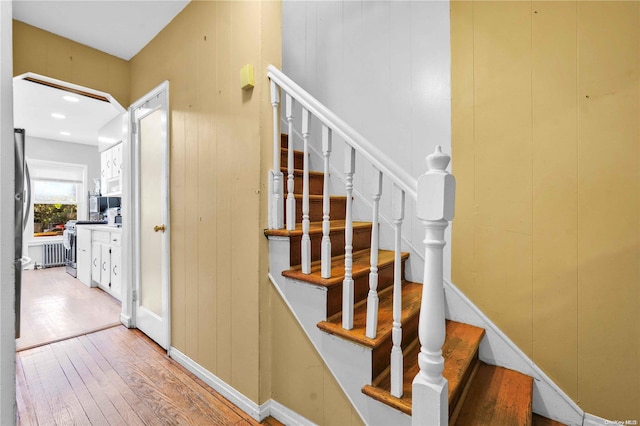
(434, 193)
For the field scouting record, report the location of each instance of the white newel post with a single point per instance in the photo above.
(276, 218)
(435, 208)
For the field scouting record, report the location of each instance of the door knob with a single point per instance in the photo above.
(159, 228)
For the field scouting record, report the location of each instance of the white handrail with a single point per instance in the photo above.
(365, 148)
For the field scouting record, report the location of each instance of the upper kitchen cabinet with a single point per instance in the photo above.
(110, 144)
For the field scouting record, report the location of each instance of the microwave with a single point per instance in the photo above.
(98, 204)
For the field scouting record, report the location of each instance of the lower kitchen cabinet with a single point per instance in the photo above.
(105, 269)
(116, 272)
(83, 255)
(106, 262)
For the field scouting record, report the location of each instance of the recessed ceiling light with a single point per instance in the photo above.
(65, 133)
(71, 98)
(58, 116)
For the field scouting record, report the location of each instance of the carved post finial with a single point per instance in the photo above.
(438, 161)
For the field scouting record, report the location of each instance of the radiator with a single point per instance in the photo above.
(53, 255)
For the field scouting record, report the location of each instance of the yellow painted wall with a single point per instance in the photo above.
(225, 313)
(216, 181)
(546, 152)
(47, 54)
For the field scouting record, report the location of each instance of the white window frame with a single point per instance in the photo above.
(81, 198)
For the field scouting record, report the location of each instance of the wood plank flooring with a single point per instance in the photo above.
(57, 306)
(118, 377)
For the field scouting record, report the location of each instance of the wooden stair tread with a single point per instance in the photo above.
(539, 420)
(318, 197)
(361, 265)
(498, 396)
(299, 172)
(315, 228)
(411, 298)
(459, 351)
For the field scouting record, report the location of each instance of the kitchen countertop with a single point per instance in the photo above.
(102, 227)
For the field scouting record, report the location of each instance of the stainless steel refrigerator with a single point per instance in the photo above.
(21, 210)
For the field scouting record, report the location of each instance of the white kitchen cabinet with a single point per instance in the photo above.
(116, 160)
(99, 239)
(111, 170)
(96, 261)
(105, 168)
(105, 269)
(116, 272)
(83, 255)
(107, 261)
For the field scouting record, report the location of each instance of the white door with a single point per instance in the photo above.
(151, 174)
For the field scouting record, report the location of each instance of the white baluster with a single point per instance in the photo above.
(396, 332)
(347, 283)
(276, 216)
(325, 250)
(306, 241)
(372, 298)
(435, 207)
(291, 200)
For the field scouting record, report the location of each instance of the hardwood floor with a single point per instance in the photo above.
(57, 306)
(115, 376)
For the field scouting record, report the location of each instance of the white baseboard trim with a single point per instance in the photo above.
(126, 320)
(284, 414)
(257, 412)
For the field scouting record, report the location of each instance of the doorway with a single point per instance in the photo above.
(62, 122)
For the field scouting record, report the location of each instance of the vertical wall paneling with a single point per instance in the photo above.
(223, 190)
(462, 147)
(246, 43)
(608, 208)
(207, 301)
(545, 108)
(217, 241)
(555, 147)
(502, 74)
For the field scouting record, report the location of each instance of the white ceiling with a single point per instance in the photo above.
(118, 27)
(79, 121)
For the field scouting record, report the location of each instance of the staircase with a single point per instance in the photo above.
(478, 393)
(384, 338)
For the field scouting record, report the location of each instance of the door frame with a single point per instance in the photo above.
(132, 158)
(7, 290)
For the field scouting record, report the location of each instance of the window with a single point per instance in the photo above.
(54, 203)
(57, 195)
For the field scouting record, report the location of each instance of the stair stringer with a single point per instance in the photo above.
(349, 363)
(497, 349)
